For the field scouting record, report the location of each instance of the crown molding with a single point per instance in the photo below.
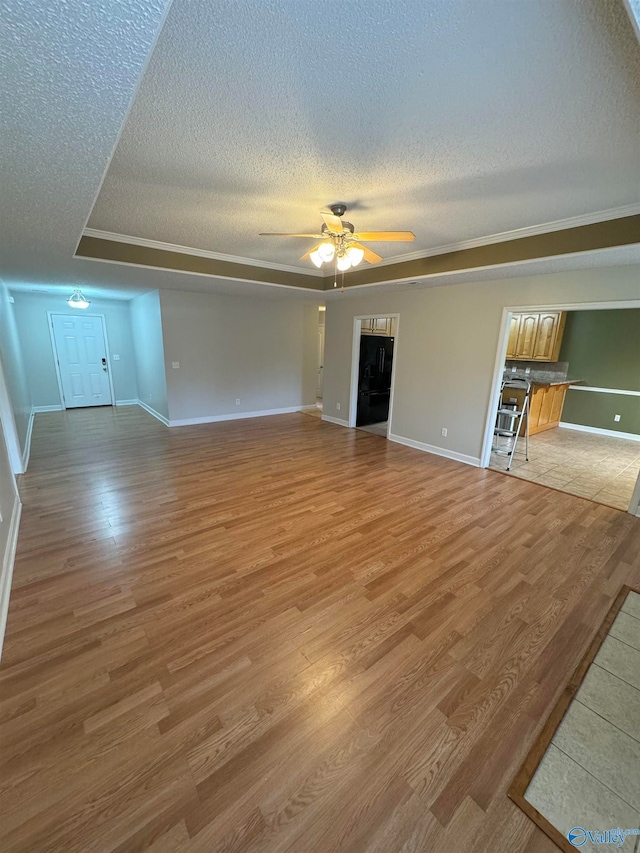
(226, 277)
(199, 253)
(530, 231)
(501, 270)
(559, 225)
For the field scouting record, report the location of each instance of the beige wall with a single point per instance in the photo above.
(446, 347)
(9, 512)
(16, 405)
(260, 351)
(146, 325)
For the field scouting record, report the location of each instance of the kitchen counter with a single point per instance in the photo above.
(542, 381)
(545, 402)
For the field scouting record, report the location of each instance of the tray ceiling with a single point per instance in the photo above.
(455, 120)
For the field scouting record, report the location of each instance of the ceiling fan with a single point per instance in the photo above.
(340, 242)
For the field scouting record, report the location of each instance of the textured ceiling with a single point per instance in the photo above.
(457, 120)
(68, 73)
(409, 114)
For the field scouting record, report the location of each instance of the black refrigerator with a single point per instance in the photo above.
(374, 379)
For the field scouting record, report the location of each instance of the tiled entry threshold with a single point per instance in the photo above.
(601, 468)
(582, 776)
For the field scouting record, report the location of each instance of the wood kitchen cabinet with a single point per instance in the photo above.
(376, 326)
(545, 405)
(536, 336)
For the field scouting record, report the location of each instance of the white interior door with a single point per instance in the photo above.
(83, 362)
(320, 372)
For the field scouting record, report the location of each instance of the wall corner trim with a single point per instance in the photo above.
(630, 436)
(27, 443)
(438, 451)
(236, 416)
(153, 412)
(7, 566)
(338, 421)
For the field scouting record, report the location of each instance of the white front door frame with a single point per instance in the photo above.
(503, 339)
(355, 364)
(102, 318)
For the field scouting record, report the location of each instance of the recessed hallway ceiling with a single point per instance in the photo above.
(455, 120)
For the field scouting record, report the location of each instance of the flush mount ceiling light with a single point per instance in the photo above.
(77, 300)
(340, 242)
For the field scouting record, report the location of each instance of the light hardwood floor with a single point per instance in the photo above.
(280, 634)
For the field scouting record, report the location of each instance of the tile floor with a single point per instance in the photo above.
(589, 776)
(376, 429)
(598, 467)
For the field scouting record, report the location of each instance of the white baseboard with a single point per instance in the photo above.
(126, 402)
(7, 566)
(631, 436)
(37, 409)
(310, 408)
(153, 412)
(332, 420)
(27, 443)
(214, 419)
(438, 451)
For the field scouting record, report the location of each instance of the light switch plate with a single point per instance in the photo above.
(116, 357)
(175, 364)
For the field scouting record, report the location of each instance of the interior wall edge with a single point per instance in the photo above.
(8, 561)
(27, 443)
(153, 412)
(436, 450)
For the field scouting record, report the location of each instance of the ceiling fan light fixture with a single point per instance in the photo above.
(316, 258)
(326, 251)
(77, 300)
(344, 262)
(355, 255)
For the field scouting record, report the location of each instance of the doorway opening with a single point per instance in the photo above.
(322, 314)
(81, 357)
(373, 371)
(580, 363)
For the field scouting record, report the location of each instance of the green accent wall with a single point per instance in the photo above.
(597, 410)
(603, 349)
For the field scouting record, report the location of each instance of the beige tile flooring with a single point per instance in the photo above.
(377, 429)
(599, 467)
(589, 776)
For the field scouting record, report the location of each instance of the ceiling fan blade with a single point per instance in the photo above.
(386, 236)
(369, 255)
(282, 234)
(333, 222)
(307, 255)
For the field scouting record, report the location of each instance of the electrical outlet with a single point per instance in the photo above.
(237, 401)
(444, 432)
(616, 418)
(175, 364)
(513, 369)
(527, 370)
(338, 406)
(116, 357)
